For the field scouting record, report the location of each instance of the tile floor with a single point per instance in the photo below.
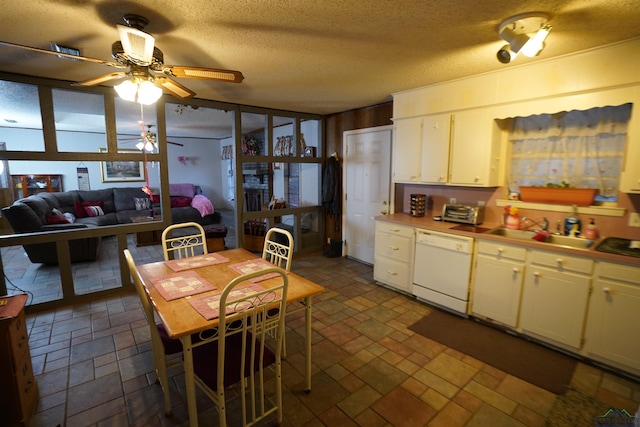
(93, 366)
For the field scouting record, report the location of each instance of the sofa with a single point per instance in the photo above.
(92, 208)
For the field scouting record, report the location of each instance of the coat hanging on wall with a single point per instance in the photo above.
(331, 193)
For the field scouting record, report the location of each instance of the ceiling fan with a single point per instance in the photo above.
(147, 141)
(136, 51)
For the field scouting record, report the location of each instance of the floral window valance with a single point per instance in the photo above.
(582, 148)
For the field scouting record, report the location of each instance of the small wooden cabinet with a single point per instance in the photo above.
(19, 391)
(26, 185)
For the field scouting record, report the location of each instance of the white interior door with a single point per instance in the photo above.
(367, 161)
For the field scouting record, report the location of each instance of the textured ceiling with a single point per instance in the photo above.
(306, 55)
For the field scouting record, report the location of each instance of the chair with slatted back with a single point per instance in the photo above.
(278, 250)
(250, 316)
(183, 245)
(278, 247)
(167, 352)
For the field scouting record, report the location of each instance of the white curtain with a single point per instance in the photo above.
(584, 149)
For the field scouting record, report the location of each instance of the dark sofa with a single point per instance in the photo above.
(118, 205)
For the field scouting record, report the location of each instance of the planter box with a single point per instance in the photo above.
(559, 196)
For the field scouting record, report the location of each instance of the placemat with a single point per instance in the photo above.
(252, 266)
(209, 305)
(182, 284)
(190, 263)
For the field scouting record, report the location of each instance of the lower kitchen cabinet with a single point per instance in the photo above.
(497, 284)
(555, 297)
(612, 334)
(19, 391)
(393, 261)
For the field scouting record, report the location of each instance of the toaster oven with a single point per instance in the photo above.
(464, 214)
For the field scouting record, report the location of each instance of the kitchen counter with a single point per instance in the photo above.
(429, 224)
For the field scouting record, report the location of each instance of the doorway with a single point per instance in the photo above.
(367, 160)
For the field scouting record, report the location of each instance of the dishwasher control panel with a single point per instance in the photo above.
(444, 241)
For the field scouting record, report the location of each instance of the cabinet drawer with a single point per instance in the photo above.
(625, 273)
(561, 262)
(18, 337)
(394, 273)
(394, 229)
(500, 250)
(396, 247)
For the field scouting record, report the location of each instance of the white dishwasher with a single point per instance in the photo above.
(442, 269)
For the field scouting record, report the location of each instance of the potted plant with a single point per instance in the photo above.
(562, 194)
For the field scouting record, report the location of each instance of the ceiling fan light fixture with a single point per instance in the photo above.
(137, 44)
(148, 93)
(143, 92)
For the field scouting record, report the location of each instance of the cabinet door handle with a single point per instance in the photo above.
(395, 230)
(560, 260)
(394, 248)
(393, 273)
(500, 250)
(516, 270)
(537, 274)
(608, 291)
(383, 212)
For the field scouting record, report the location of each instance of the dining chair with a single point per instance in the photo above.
(278, 250)
(240, 354)
(183, 245)
(167, 352)
(278, 247)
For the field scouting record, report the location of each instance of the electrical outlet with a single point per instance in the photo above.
(634, 219)
(452, 200)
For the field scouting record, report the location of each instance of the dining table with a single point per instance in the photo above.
(206, 275)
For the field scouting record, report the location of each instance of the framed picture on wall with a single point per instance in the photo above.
(117, 171)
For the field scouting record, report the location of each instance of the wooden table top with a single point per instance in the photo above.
(181, 319)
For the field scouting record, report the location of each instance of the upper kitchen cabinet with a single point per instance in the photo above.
(475, 150)
(434, 164)
(407, 144)
(448, 149)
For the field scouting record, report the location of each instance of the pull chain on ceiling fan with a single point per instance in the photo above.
(146, 73)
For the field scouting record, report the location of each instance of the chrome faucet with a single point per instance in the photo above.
(544, 226)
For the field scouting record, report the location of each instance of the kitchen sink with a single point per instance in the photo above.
(553, 239)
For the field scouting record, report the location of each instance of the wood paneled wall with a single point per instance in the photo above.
(336, 124)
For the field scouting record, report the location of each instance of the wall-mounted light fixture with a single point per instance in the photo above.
(524, 33)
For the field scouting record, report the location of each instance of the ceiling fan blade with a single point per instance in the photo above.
(175, 143)
(204, 73)
(101, 79)
(173, 87)
(64, 55)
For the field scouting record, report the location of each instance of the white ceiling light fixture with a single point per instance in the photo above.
(140, 88)
(137, 44)
(524, 33)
